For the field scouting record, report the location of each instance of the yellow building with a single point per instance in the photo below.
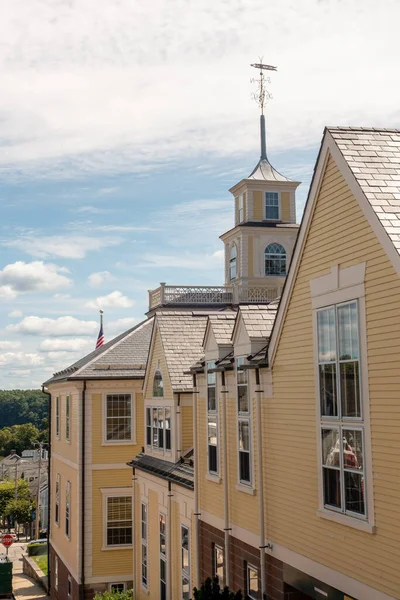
(96, 428)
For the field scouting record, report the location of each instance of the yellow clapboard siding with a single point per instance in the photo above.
(258, 211)
(285, 206)
(157, 361)
(187, 427)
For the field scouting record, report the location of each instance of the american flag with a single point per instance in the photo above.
(100, 339)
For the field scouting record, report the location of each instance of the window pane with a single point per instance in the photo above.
(332, 487)
(212, 432)
(185, 588)
(158, 385)
(328, 390)
(348, 331)
(354, 492)
(212, 459)
(244, 466)
(252, 582)
(353, 449)
(212, 405)
(244, 433)
(243, 400)
(350, 389)
(330, 447)
(326, 335)
(219, 564)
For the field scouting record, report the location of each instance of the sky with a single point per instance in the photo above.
(123, 124)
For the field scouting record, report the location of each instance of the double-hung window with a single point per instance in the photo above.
(144, 544)
(119, 417)
(57, 502)
(67, 418)
(68, 509)
(272, 206)
(241, 208)
(252, 582)
(119, 520)
(185, 563)
(218, 564)
(232, 263)
(342, 421)
(56, 572)
(158, 427)
(58, 417)
(212, 419)
(244, 422)
(163, 556)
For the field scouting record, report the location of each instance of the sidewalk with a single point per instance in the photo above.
(23, 586)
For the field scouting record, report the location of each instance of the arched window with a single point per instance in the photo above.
(232, 263)
(275, 260)
(158, 385)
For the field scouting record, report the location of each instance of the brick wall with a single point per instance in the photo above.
(62, 592)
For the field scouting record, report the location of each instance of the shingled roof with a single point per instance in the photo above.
(182, 336)
(222, 326)
(258, 319)
(123, 357)
(373, 156)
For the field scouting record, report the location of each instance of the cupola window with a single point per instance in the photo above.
(232, 263)
(275, 260)
(241, 208)
(158, 385)
(272, 206)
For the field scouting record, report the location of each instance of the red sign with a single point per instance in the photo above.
(7, 540)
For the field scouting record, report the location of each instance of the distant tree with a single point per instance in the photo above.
(128, 595)
(23, 406)
(7, 494)
(22, 438)
(210, 590)
(6, 437)
(20, 510)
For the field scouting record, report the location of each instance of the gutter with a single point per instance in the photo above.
(196, 485)
(227, 528)
(49, 493)
(169, 544)
(83, 436)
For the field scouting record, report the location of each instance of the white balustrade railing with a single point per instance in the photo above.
(218, 295)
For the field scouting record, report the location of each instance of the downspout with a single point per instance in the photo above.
(196, 485)
(178, 426)
(169, 546)
(49, 572)
(260, 487)
(83, 491)
(227, 529)
(134, 478)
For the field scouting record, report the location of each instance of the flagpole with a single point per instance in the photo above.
(101, 317)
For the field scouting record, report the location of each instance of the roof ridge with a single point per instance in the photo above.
(376, 129)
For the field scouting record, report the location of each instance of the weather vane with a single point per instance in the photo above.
(262, 95)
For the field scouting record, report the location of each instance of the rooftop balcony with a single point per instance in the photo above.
(206, 296)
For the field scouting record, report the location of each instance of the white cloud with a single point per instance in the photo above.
(15, 313)
(20, 359)
(61, 246)
(63, 326)
(20, 372)
(37, 276)
(96, 279)
(114, 328)
(113, 300)
(167, 61)
(198, 262)
(94, 210)
(64, 345)
(8, 345)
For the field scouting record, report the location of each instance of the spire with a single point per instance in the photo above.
(263, 138)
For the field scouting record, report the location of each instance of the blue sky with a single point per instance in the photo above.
(125, 124)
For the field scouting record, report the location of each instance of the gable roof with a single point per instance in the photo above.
(222, 327)
(362, 155)
(123, 357)
(257, 319)
(182, 336)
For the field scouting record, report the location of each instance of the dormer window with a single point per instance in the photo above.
(275, 260)
(158, 385)
(241, 208)
(232, 263)
(272, 206)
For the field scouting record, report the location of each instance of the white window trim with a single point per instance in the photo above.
(153, 449)
(107, 442)
(213, 475)
(70, 586)
(265, 205)
(221, 583)
(230, 259)
(344, 285)
(241, 197)
(68, 418)
(121, 492)
(244, 486)
(157, 398)
(249, 566)
(58, 418)
(123, 583)
(185, 572)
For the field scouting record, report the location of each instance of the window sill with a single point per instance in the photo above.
(247, 489)
(125, 547)
(213, 478)
(144, 589)
(120, 443)
(346, 520)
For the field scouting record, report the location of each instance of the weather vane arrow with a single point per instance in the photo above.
(261, 96)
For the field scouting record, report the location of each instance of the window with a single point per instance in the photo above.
(212, 419)
(118, 417)
(57, 501)
(342, 427)
(67, 418)
(117, 587)
(241, 208)
(158, 427)
(163, 557)
(58, 417)
(275, 260)
(232, 263)
(244, 421)
(272, 206)
(218, 564)
(56, 572)
(158, 385)
(144, 544)
(119, 520)
(252, 582)
(185, 563)
(69, 587)
(68, 509)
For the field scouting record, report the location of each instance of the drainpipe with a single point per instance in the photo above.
(134, 479)
(49, 573)
(227, 529)
(196, 486)
(260, 486)
(169, 536)
(178, 426)
(83, 436)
